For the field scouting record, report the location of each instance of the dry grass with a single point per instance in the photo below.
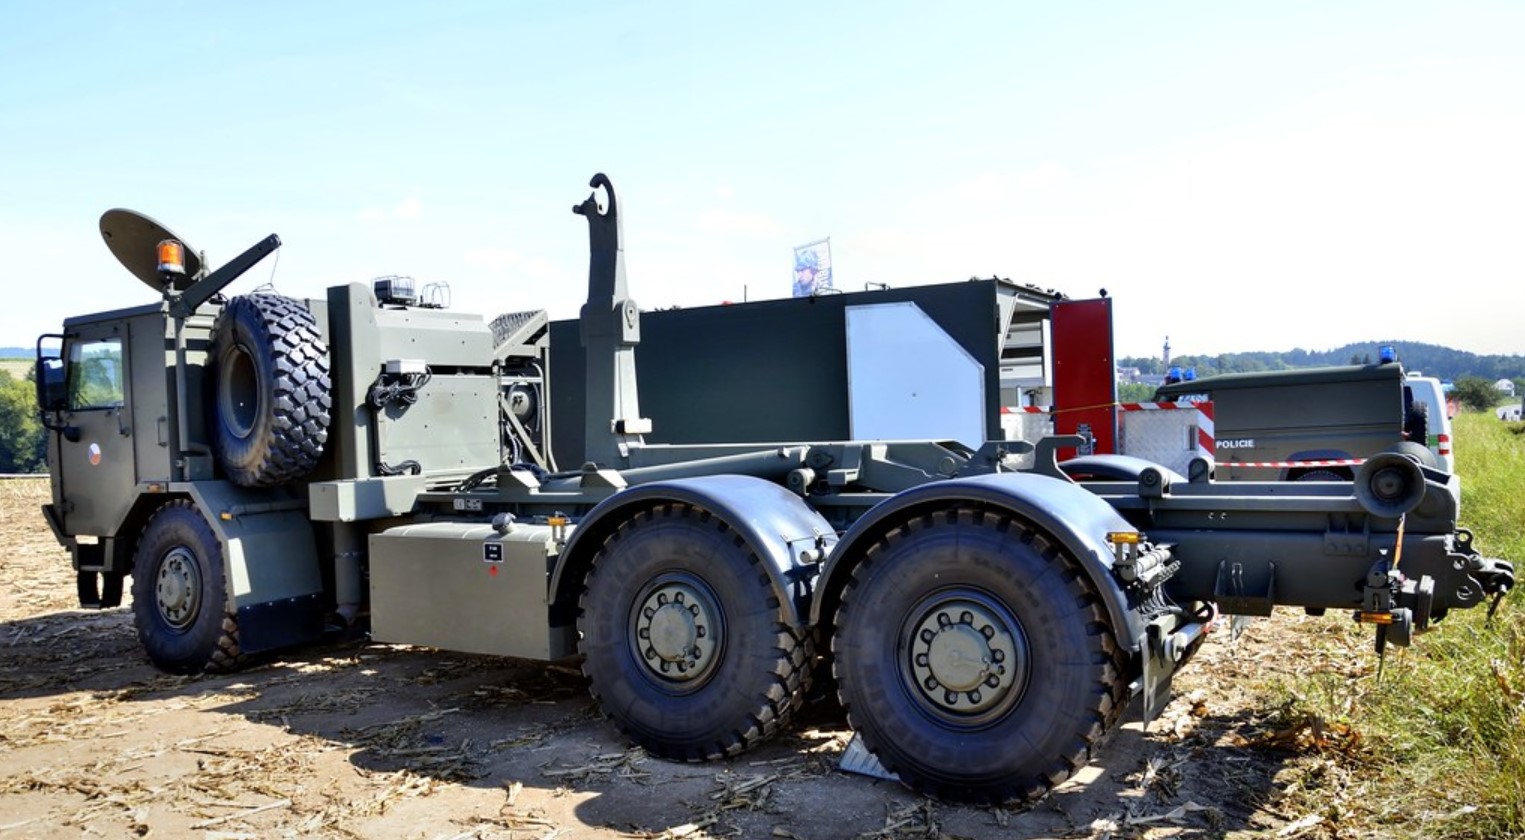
(38, 578)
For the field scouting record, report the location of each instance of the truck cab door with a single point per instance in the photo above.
(93, 435)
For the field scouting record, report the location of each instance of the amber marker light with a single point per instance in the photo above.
(171, 257)
(1123, 537)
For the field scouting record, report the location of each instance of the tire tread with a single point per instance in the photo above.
(1107, 698)
(300, 408)
(225, 654)
(773, 709)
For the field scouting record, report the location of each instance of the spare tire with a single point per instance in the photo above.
(1416, 425)
(1419, 453)
(270, 399)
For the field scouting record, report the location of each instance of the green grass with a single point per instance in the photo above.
(1444, 729)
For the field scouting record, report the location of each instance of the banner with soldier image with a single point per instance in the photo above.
(812, 268)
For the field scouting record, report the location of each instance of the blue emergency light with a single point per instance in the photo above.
(1386, 354)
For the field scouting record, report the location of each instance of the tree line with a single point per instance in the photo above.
(1431, 359)
(23, 445)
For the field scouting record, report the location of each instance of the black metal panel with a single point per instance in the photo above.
(281, 623)
(767, 371)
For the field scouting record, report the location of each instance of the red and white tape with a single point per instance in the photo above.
(1334, 462)
(1154, 406)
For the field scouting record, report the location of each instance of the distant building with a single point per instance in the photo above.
(1505, 387)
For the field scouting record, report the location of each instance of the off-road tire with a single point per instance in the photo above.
(190, 629)
(270, 394)
(1416, 425)
(1062, 697)
(745, 688)
(1419, 452)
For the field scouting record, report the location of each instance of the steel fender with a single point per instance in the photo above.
(1069, 513)
(776, 524)
(1116, 468)
(275, 582)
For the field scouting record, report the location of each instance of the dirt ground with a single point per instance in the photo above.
(351, 739)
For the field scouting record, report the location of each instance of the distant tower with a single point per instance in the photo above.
(1167, 351)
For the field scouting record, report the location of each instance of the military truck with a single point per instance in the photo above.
(1312, 424)
(264, 468)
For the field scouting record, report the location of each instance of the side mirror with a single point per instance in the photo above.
(51, 378)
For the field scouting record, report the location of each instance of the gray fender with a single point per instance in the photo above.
(1116, 468)
(274, 580)
(1070, 514)
(777, 525)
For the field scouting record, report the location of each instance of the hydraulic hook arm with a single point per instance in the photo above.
(610, 327)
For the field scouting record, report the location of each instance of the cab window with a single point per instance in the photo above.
(95, 374)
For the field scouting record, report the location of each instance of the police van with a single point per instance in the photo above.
(1429, 392)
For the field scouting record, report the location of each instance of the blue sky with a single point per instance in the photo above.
(1237, 176)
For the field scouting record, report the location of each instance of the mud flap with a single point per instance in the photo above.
(1158, 670)
(278, 624)
(1168, 643)
(98, 590)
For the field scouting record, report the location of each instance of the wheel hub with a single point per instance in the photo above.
(178, 588)
(677, 631)
(967, 655)
(239, 392)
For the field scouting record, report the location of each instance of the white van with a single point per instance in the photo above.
(1428, 391)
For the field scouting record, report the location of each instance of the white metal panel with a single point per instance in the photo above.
(1169, 437)
(907, 379)
(1029, 426)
